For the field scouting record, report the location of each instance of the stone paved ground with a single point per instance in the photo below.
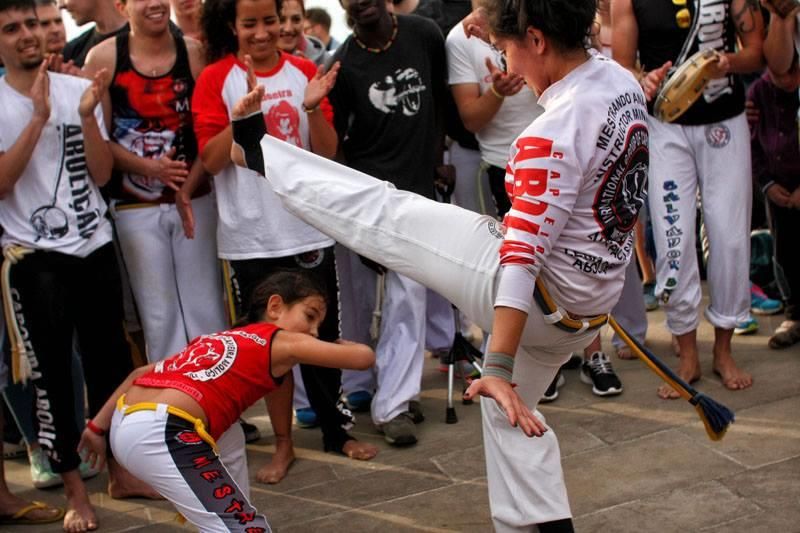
(633, 463)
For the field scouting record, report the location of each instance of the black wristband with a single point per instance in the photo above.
(247, 133)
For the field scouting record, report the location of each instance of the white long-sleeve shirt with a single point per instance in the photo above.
(577, 177)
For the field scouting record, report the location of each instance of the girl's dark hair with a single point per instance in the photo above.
(291, 285)
(566, 23)
(219, 19)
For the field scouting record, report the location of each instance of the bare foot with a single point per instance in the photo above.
(122, 484)
(80, 513)
(79, 520)
(732, 376)
(625, 352)
(278, 467)
(361, 451)
(689, 371)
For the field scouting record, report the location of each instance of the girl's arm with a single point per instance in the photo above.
(289, 349)
(94, 444)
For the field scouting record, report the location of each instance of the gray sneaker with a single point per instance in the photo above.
(400, 430)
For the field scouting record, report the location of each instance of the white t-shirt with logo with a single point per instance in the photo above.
(466, 64)
(55, 205)
(577, 177)
(252, 220)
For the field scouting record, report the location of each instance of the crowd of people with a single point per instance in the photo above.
(132, 234)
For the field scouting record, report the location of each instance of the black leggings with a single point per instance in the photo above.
(56, 295)
(323, 385)
(497, 185)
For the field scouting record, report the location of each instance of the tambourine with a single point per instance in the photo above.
(685, 85)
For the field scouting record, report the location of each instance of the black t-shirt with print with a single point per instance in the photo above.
(661, 39)
(78, 48)
(387, 105)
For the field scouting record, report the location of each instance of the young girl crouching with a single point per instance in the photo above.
(173, 423)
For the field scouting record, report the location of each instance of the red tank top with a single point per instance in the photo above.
(225, 373)
(150, 115)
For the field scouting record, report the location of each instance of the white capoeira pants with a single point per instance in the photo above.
(397, 375)
(176, 281)
(456, 253)
(211, 491)
(716, 159)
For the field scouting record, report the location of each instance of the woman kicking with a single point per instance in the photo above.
(541, 282)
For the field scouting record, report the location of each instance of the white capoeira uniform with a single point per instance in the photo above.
(707, 149)
(466, 65)
(577, 177)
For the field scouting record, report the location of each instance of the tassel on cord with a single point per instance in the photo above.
(715, 416)
(20, 364)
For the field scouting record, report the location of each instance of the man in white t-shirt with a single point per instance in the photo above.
(494, 105)
(53, 157)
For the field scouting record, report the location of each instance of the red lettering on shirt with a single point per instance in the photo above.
(530, 181)
(533, 148)
(522, 225)
(255, 530)
(534, 208)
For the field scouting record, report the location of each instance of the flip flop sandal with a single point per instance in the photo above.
(21, 517)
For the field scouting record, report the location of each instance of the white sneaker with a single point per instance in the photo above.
(41, 474)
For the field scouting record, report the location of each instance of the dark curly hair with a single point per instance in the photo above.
(21, 5)
(566, 23)
(219, 18)
(291, 285)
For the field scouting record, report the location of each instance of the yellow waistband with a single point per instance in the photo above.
(198, 424)
(560, 317)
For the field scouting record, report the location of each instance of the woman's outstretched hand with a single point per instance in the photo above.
(251, 102)
(320, 85)
(510, 402)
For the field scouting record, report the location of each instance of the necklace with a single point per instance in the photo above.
(386, 46)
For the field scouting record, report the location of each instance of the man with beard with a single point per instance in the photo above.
(64, 278)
